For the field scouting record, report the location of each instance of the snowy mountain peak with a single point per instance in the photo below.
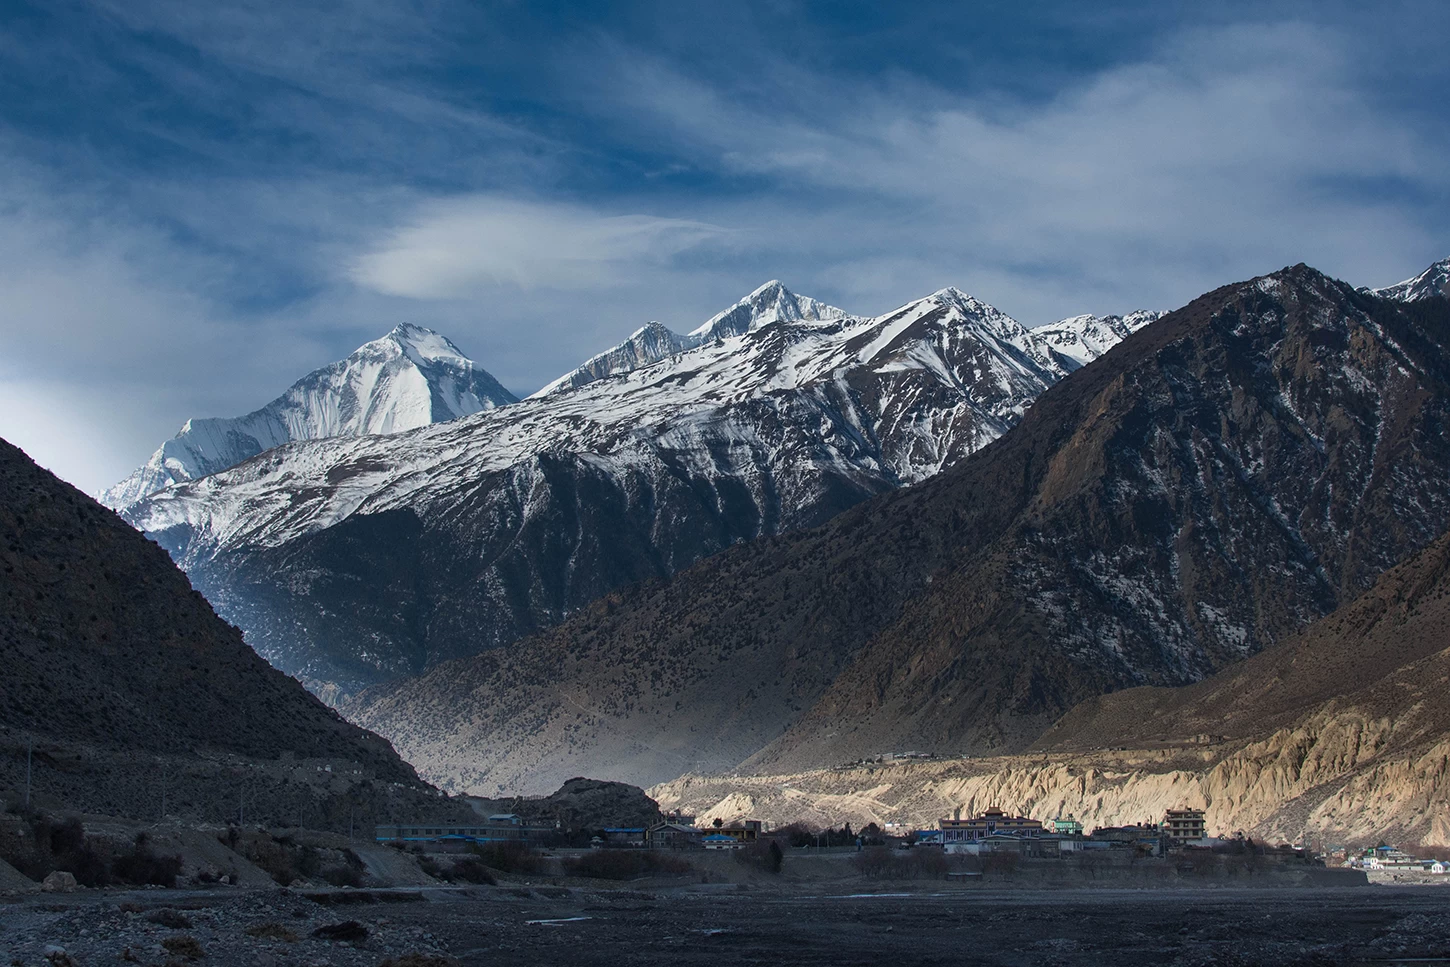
(423, 345)
(1434, 281)
(652, 342)
(968, 305)
(651, 455)
(772, 302)
(408, 378)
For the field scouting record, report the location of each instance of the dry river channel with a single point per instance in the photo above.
(726, 924)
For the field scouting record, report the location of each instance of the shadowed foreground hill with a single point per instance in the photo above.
(1204, 490)
(106, 651)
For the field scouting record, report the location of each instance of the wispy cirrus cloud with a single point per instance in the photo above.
(458, 247)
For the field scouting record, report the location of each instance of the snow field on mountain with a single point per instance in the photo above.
(772, 374)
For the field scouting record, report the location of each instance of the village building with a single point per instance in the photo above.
(1185, 825)
(720, 841)
(993, 821)
(1390, 858)
(499, 828)
(742, 831)
(674, 836)
(1144, 837)
(1066, 827)
(623, 836)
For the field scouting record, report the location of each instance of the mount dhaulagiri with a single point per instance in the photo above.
(351, 561)
(1203, 490)
(136, 696)
(409, 378)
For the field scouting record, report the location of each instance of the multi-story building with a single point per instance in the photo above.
(1185, 825)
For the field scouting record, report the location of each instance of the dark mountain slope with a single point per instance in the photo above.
(1239, 473)
(1385, 654)
(1209, 486)
(104, 643)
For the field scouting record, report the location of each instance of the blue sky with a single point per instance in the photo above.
(201, 202)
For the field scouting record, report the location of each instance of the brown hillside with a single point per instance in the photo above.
(1340, 735)
(1205, 490)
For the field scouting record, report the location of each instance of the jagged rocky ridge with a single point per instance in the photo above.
(351, 561)
(409, 378)
(1210, 486)
(1339, 735)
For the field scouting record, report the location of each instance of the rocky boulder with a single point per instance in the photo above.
(59, 882)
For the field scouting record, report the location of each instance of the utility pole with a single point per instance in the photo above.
(29, 754)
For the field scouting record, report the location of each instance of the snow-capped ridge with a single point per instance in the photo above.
(1434, 281)
(674, 446)
(1078, 340)
(949, 382)
(652, 342)
(771, 302)
(648, 344)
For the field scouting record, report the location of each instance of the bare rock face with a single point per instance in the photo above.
(1203, 491)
